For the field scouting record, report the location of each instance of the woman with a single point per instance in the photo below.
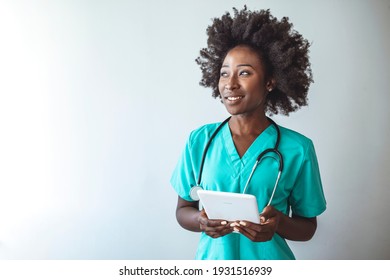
(255, 65)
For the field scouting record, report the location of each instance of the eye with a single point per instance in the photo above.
(244, 73)
(224, 74)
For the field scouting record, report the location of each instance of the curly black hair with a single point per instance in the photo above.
(283, 51)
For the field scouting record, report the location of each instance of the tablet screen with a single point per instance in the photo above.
(229, 206)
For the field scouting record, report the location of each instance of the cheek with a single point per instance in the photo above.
(258, 89)
(220, 86)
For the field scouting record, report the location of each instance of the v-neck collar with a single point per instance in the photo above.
(262, 142)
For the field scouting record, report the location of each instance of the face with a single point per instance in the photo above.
(242, 82)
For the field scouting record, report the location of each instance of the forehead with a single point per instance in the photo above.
(242, 55)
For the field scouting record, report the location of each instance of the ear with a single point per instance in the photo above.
(271, 84)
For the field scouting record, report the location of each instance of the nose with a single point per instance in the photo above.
(231, 83)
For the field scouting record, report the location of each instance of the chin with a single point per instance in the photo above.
(233, 112)
(236, 113)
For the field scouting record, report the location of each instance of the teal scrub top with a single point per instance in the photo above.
(299, 190)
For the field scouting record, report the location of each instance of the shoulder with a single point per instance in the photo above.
(202, 133)
(293, 140)
(294, 136)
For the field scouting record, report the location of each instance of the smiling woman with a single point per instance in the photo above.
(242, 84)
(256, 65)
(98, 97)
(282, 51)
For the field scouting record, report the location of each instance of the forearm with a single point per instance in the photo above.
(187, 214)
(188, 217)
(296, 228)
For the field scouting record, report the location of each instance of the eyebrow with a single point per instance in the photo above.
(239, 65)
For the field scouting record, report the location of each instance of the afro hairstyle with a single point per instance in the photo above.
(283, 51)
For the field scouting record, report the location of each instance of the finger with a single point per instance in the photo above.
(226, 231)
(204, 220)
(244, 231)
(223, 228)
(250, 230)
(214, 223)
(216, 229)
(255, 232)
(268, 212)
(213, 232)
(238, 227)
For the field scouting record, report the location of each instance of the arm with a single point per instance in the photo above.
(307, 190)
(296, 228)
(187, 214)
(190, 218)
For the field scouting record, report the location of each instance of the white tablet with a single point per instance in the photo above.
(229, 206)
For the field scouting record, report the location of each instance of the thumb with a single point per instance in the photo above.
(267, 213)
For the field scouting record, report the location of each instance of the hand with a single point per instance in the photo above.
(269, 221)
(213, 228)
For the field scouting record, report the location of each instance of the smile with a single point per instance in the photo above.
(234, 98)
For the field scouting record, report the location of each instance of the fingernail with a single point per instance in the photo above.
(223, 223)
(236, 229)
(242, 223)
(262, 220)
(234, 224)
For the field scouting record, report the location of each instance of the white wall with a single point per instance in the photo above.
(98, 97)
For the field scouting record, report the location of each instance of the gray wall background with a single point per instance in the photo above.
(97, 99)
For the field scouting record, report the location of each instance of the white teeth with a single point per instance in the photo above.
(233, 98)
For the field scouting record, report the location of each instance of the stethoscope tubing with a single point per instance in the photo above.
(207, 148)
(258, 160)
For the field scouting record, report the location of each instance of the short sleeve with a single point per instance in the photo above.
(183, 177)
(307, 197)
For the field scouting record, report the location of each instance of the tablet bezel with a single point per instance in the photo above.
(229, 206)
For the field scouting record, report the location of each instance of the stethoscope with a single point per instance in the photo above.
(194, 190)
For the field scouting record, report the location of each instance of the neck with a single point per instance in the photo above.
(246, 125)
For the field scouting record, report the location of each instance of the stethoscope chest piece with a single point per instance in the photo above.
(194, 192)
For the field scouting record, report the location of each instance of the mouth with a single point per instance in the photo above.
(233, 99)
